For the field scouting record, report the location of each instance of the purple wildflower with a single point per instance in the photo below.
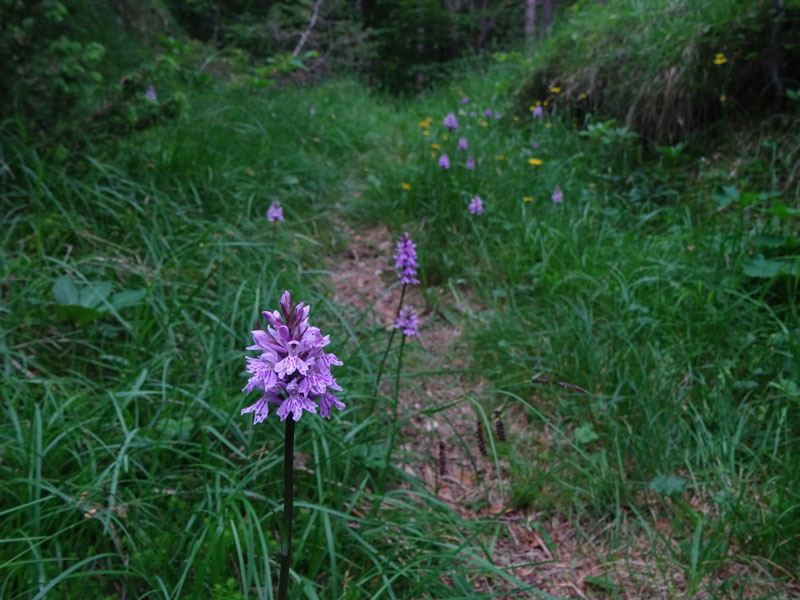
(497, 115)
(488, 113)
(476, 206)
(312, 110)
(406, 260)
(293, 370)
(150, 94)
(470, 163)
(407, 321)
(464, 100)
(450, 122)
(538, 112)
(558, 195)
(275, 212)
(472, 114)
(462, 143)
(534, 144)
(444, 162)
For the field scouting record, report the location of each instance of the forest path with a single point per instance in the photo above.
(442, 448)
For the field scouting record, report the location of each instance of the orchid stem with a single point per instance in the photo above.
(395, 414)
(288, 501)
(386, 352)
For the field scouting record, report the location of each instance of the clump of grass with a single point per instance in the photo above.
(665, 69)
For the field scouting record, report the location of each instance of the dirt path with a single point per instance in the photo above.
(572, 565)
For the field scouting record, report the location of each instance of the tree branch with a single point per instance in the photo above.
(307, 32)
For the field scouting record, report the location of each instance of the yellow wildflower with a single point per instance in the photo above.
(435, 146)
(426, 132)
(548, 125)
(423, 124)
(516, 118)
(555, 89)
(722, 98)
(405, 186)
(534, 161)
(500, 157)
(582, 95)
(719, 59)
(433, 154)
(531, 108)
(528, 198)
(444, 137)
(538, 103)
(484, 124)
(545, 103)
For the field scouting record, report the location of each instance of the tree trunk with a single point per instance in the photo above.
(420, 48)
(548, 12)
(530, 19)
(778, 14)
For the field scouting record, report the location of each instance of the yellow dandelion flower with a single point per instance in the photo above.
(405, 186)
(500, 157)
(433, 154)
(545, 103)
(555, 89)
(445, 138)
(516, 118)
(538, 103)
(484, 124)
(534, 161)
(423, 124)
(527, 198)
(582, 95)
(722, 98)
(436, 146)
(720, 61)
(548, 125)
(532, 108)
(426, 132)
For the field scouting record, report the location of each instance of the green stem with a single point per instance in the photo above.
(395, 415)
(386, 352)
(288, 501)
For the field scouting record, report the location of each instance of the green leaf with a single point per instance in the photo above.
(780, 210)
(78, 314)
(127, 298)
(65, 291)
(93, 294)
(179, 429)
(725, 195)
(605, 582)
(585, 434)
(667, 485)
(764, 240)
(761, 267)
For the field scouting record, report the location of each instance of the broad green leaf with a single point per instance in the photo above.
(765, 240)
(127, 298)
(761, 267)
(65, 291)
(667, 485)
(725, 195)
(93, 295)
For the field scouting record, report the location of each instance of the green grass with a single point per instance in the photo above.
(127, 468)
